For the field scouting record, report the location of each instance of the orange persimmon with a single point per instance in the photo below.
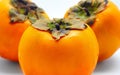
(105, 22)
(107, 28)
(74, 53)
(10, 31)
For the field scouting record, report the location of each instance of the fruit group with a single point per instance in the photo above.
(73, 54)
(12, 27)
(104, 20)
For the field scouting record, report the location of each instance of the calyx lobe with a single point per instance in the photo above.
(59, 27)
(23, 10)
(87, 10)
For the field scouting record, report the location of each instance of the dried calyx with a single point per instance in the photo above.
(59, 27)
(23, 10)
(86, 10)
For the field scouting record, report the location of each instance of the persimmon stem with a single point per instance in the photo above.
(27, 9)
(87, 10)
(59, 27)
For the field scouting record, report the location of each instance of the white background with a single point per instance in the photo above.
(56, 9)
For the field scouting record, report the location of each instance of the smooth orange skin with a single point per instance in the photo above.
(10, 34)
(74, 54)
(107, 29)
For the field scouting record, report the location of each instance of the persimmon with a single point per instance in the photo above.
(58, 47)
(104, 18)
(13, 21)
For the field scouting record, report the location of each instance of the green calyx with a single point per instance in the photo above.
(23, 10)
(87, 10)
(59, 27)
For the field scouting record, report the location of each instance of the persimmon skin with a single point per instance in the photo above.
(10, 34)
(107, 28)
(74, 54)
